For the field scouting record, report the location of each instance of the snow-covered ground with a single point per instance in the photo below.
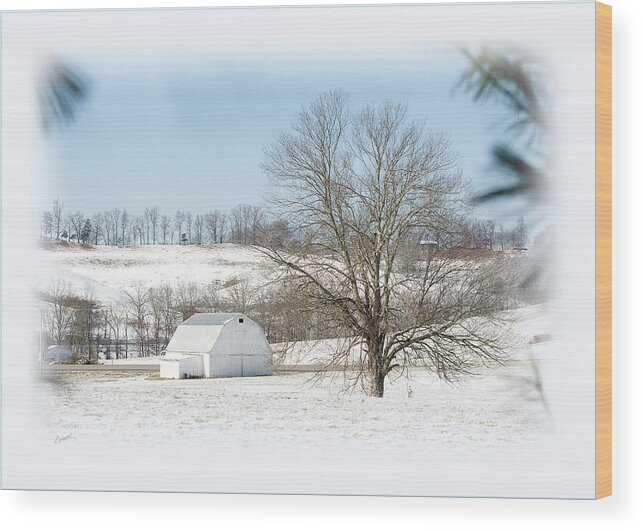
(111, 270)
(511, 430)
(488, 434)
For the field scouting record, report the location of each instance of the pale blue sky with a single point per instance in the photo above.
(187, 132)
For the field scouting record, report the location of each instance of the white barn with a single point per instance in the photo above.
(217, 345)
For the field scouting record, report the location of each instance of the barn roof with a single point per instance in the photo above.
(211, 319)
(57, 349)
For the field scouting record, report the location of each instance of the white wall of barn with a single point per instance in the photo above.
(176, 368)
(241, 350)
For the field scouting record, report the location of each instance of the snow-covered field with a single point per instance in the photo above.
(511, 430)
(111, 270)
(489, 434)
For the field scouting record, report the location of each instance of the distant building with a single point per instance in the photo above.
(217, 345)
(432, 245)
(57, 353)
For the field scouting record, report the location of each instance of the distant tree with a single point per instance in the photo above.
(86, 231)
(211, 299)
(188, 226)
(165, 227)
(490, 233)
(84, 325)
(240, 224)
(502, 236)
(138, 313)
(157, 307)
(146, 224)
(57, 215)
(47, 225)
(138, 228)
(246, 224)
(188, 298)
(520, 234)
(277, 233)
(116, 320)
(214, 222)
(242, 295)
(154, 220)
(199, 225)
(166, 301)
(59, 313)
(124, 220)
(97, 222)
(76, 221)
(179, 220)
(113, 217)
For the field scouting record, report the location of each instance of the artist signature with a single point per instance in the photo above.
(63, 438)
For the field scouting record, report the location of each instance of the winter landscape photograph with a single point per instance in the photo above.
(297, 250)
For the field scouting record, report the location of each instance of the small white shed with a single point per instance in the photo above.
(217, 345)
(57, 353)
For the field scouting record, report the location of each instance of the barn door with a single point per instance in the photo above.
(235, 364)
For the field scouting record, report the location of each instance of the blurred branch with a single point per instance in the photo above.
(62, 91)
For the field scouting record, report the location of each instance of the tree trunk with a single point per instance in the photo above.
(377, 386)
(375, 367)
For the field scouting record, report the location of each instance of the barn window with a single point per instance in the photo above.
(241, 319)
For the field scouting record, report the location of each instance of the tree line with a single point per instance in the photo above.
(143, 323)
(244, 224)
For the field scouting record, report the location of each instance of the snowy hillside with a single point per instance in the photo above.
(110, 270)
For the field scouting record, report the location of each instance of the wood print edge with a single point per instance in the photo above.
(603, 250)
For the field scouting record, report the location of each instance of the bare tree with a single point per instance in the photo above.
(187, 298)
(116, 319)
(179, 220)
(157, 307)
(57, 213)
(125, 219)
(146, 223)
(214, 222)
(240, 224)
(490, 233)
(165, 299)
(502, 235)
(165, 227)
(357, 187)
(59, 313)
(138, 306)
(154, 220)
(198, 229)
(98, 227)
(76, 221)
(188, 225)
(138, 229)
(211, 298)
(46, 225)
(241, 295)
(113, 218)
(520, 234)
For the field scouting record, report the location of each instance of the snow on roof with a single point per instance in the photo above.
(195, 338)
(211, 319)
